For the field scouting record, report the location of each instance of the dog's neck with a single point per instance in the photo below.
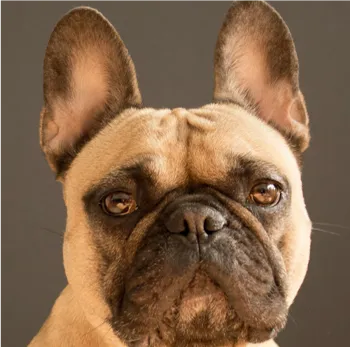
(68, 326)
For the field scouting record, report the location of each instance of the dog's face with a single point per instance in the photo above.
(185, 227)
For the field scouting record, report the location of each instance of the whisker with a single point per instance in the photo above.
(108, 330)
(52, 231)
(333, 225)
(326, 231)
(91, 330)
(134, 340)
(292, 318)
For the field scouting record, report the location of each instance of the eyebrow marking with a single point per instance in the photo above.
(245, 167)
(126, 175)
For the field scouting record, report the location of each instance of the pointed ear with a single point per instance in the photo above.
(256, 66)
(88, 79)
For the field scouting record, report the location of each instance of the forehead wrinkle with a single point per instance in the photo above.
(128, 171)
(250, 166)
(237, 132)
(131, 135)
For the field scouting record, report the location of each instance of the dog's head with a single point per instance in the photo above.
(185, 226)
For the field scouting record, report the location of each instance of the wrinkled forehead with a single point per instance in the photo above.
(177, 144)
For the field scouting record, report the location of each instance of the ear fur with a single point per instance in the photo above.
(256, 66)
(89, 78)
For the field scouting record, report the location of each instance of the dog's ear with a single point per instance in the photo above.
(256, 66)
(88, 79)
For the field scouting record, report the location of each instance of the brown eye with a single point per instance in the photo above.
(265, 194)
(119, 204)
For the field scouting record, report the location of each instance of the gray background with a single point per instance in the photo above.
(172, 46)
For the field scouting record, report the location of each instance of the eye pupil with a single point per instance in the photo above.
(119, 204)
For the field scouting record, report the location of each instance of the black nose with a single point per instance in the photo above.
(195, 221)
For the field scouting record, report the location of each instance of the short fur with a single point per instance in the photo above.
(132, 282)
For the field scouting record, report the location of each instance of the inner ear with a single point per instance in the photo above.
(256, 66)
(89, 79)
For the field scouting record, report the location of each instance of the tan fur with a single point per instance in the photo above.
(196, 145)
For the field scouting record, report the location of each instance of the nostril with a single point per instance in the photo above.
(177, 224)
(212, 225)
(185, 230)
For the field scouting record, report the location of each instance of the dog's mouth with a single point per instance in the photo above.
(226, 294)
(202, 315)
(206, 315)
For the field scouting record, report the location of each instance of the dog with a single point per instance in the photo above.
(185, 227)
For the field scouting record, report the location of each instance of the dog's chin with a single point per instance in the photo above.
(201, 316)
(228, 293)
(204, 316)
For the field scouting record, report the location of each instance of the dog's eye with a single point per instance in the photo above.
(118, 204)
(265, 194)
